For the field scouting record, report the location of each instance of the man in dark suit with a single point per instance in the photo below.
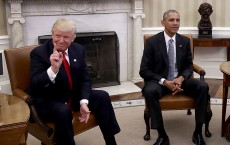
(159, 80)
(52, 88)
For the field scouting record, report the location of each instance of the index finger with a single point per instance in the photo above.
(55, 47)
(87, 118)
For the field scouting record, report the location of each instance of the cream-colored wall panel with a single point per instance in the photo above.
(227, 14)
(188, 10)
(212, 69)
(210, 58)
(207, 54)
(3, 29)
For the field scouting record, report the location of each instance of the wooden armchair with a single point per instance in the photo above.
(179, 101)
(18, 63)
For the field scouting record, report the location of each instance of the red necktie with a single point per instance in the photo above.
(67, 68)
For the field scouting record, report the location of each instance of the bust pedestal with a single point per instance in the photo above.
(205, 34)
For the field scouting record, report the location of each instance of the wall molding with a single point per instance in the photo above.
(4, 42)
(191, 30)
(141, 102)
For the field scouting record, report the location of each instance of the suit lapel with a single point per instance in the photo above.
(74, 62)
(179, 46)
(163, 48)
(70, 53)
(73, 57)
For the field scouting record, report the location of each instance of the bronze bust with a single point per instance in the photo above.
(205, 24)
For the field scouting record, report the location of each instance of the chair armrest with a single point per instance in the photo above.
(24, 96)
(199, 71)
(37, 119)
(21, 94)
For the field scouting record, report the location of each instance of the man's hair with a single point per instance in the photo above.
(165, 15)
(64, 25)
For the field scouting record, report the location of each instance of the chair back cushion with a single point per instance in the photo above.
(18, 65)
(146, 36)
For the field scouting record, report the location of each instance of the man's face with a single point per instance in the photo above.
(171, 23)
(62, 39)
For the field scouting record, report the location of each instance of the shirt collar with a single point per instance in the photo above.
(66, 52)
(167, 38)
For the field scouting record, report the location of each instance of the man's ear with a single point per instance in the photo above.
(163, 22)
(73, 38)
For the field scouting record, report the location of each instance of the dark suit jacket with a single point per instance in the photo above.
(154, 64)
(42, 89)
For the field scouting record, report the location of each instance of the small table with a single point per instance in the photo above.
(225, 69)
(215, 41)
(14, 115)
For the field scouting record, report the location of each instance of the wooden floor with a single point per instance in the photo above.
(215, 90)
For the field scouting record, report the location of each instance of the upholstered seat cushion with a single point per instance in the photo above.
(35, 129)
(176, 102)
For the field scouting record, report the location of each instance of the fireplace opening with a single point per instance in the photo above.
(102, 56)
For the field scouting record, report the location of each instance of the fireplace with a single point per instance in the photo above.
(102, 56)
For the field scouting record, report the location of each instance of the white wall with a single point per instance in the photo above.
(4, 79)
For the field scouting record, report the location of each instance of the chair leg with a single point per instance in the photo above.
(189, 112)
(23, 138)
(209, 116)
(146, 118)
(228, 131)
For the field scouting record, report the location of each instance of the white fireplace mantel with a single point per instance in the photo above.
(27, 19)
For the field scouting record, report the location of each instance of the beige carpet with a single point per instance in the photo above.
(217, 91)
(179, 127)
(216, 88)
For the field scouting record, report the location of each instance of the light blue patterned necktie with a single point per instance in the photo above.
(171, 60)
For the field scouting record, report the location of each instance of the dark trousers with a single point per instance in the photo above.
(192, 87)
(60, 114)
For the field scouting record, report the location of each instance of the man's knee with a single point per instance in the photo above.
(203, 86)
(101, 96)
(149, 91)
(64, 112)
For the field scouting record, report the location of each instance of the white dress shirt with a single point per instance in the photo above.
(52, 76)
(167, 38)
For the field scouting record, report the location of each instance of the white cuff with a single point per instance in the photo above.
(84, 101)
(162, 81)
(51, 74)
